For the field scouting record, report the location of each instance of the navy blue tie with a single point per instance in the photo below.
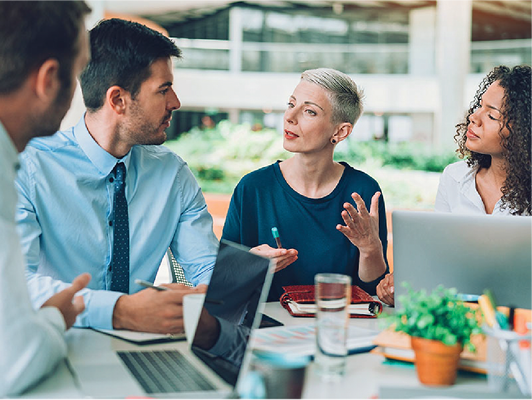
(120, 259)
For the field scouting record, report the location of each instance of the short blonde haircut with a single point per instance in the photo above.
(345, 96)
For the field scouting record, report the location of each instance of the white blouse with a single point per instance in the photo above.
(457, 192)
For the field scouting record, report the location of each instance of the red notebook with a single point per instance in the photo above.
(299, 302)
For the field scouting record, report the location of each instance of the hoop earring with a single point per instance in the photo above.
(333, 141)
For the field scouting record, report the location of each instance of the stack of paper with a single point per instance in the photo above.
(310, 308)
(301, 339)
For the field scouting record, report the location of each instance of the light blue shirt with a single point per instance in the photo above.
(31, 342)
(65, 204)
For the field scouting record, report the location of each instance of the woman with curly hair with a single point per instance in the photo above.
(494, 139)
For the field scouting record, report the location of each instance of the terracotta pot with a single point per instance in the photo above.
(436, 363)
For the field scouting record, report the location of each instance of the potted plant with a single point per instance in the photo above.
(440, 326)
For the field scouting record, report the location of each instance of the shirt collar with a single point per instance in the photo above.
(468, 186)
(8, 148)
(100, 158)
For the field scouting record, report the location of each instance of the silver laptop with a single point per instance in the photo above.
(238, 288)
(469, 252)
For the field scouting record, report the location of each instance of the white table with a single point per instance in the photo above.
(366, 373)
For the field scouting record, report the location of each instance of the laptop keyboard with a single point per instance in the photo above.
(164, 371)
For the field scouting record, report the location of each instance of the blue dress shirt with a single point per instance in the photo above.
(31, 342)
(65, 205)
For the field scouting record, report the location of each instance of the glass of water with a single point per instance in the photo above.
(333, 296)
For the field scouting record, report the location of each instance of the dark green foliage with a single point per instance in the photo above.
(210, 174)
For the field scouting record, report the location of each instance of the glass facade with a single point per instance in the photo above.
(356, 42)
(354, 59)
(210, 59)
(486, 55)
(215, 26)
(293, 41)
(303, 27)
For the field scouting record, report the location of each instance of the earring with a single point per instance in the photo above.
(333, 141)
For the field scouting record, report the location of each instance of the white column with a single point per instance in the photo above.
(422, 61)
(422, 41)
(453, 40)
(422, 127)
(77, 107)
(235, 40)
(234, 115)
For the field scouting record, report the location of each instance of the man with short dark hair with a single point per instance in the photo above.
(105, 197)
(43, 47)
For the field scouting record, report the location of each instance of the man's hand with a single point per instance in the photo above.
(65, 301)
(282, 258)
(385, 290)
(362, 227)
(151, 310)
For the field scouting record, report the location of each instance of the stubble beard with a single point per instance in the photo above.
(143, 132)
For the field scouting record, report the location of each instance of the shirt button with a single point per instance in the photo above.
(110, 223)
(111, 180)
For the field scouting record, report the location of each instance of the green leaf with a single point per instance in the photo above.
(424, 320)
(449, 339)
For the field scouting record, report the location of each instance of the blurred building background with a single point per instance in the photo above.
(419, 62)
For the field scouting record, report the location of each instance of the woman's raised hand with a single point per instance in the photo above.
(362, 227)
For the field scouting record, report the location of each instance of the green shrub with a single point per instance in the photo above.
(404, 155)
(228, 151)
(219, 158)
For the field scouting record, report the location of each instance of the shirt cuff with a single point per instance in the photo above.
(101, 307)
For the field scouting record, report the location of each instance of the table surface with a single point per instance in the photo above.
(367, 374)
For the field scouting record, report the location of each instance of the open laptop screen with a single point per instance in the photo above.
(239, 282)
(468, 252)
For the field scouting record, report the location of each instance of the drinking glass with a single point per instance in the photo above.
(333, 296)
(275, 376)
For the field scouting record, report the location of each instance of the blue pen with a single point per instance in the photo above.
(275, 234)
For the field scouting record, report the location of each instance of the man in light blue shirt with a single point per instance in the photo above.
(67, 187)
